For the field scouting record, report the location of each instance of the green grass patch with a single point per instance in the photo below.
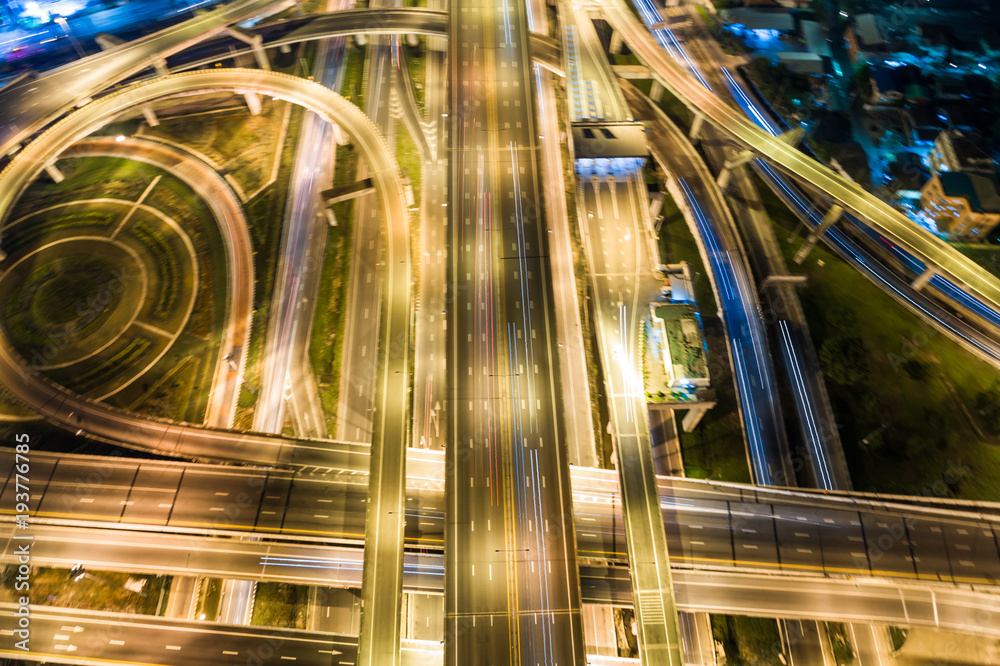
(241, 143)
(88, 178)
(416, 63)
(840, 641)
(354, 72)
(906, 397)
(98, 590)
(327, 339)
(281, 605)
(748, 641)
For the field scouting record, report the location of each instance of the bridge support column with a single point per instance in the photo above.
(831, 216)
(693, 418)
(655, 205)
(696, 126)
(656, 91)
(412, 40)
(921, 280)
(793, 136)
(160, 65)
(150, 115)
(360, 39)
(253, 102)
(616, 42)
(285, 48)
(106, 41)
(54, 173)
(726, 175)
(255, 41)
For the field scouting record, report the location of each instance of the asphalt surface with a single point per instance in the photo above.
(62, 635)
(784, 317)
(286, 373)
(360, 356)
(99, 421)
(797, 165)
(618, 244)
(430, 386)
(710, 527)
(511, 578)
(573, 369)
(391, 434)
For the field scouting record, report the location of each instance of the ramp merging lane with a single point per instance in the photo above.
(30, 105)
(880, 215)
(101, 422)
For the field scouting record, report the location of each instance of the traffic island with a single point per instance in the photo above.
(674, 352)
(96, 292)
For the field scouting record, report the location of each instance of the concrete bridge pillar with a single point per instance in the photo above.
(54, 173)
(160, 65)
(656, 91)
(253, 102)
(150, 115)
(696, 126)
(693, 418)
(255, 41)
(831, 216)
(616, 42)
(921, 280)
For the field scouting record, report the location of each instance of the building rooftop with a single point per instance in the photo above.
(867, 29)
(761, 19)
(609, 140)
(980, 191)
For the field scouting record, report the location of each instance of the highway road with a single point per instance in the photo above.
(621, 256)
(359, 358)
(512, 593)
(286, 374)
(883, 218)
(132, 639)
(430, 390)
(738, 592)
(391, 418)
(786, 320)
(573, 372)
(229, 215)
(63, 635)
(32, 104)
(710, 526)
(98, 421)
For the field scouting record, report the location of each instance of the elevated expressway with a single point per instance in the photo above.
(734, 548)
(371, 22)
(940, 258)
(384, 527)
(33, 103)
(178, 439)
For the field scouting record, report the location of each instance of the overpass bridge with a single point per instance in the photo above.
(712, 528)
(706, 106)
